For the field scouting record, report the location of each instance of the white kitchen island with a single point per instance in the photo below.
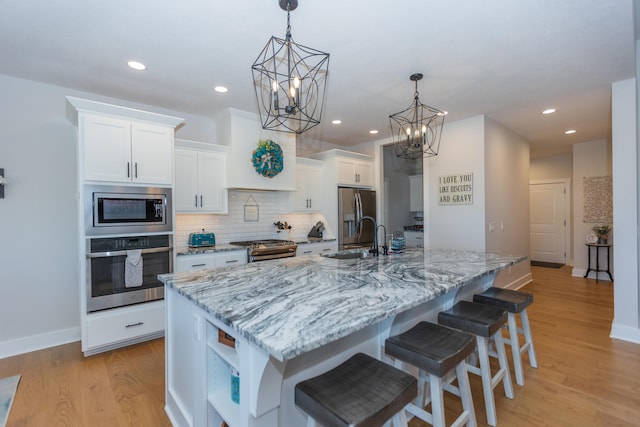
(295, 318)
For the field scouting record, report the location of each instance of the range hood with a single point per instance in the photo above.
(240, 131)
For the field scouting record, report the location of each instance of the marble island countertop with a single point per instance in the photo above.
(291, 306)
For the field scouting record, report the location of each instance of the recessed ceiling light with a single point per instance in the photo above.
(336, 122)
(549, 111)
(221, 89)
(570, 131)
(136, 65)
(373, 131)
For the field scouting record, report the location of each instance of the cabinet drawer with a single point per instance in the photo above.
(225, 259)
(194, 262)
(125, 323)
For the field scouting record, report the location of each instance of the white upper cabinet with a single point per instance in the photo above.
(309, 186)
(123, 145)
(119, 150)
(200, 178)
(416, 193)
(355, 172)
(351, 169)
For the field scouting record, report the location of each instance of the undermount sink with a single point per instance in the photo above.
(349, 254)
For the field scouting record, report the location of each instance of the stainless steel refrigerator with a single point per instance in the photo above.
(353, 204)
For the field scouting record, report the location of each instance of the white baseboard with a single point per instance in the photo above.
(519, 282)
(625, 333)
(38, 342)
(579, 272)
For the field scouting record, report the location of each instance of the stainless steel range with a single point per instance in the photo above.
(262, 250)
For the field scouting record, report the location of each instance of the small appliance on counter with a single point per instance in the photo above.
(200, 240)
(316, 231)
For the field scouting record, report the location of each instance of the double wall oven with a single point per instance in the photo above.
(128, 243)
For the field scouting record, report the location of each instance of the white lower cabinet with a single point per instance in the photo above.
(414, 239)
(110, 327)
(210, 260)
(316, 248)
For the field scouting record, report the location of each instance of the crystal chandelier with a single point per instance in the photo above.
(416, 131)
(290, 82)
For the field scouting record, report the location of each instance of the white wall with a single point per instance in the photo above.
(551, 167)
(626, 323)
(589, 159)
(506, 161)
(39, 304)
(461, 151)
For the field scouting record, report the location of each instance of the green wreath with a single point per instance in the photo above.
(268, 159)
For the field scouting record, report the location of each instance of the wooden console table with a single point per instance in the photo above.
(597, 247)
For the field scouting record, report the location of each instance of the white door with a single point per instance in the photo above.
(547, 222)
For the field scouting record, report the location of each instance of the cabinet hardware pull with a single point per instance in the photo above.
(201, 200)
(198, 265)
(231, 261)
(196, 200)
(136, 168)
(128, 169)
(307, 252)
(309, 203)
(134, 324)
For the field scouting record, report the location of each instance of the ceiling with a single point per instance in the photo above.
(506, 59)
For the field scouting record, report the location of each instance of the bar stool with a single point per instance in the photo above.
(484, 322)
(362, 391)
(436, 350)
(514, 302)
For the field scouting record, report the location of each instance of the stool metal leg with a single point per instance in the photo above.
(524, 317)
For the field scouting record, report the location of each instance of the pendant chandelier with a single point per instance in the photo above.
(416, 131)
(290, 82)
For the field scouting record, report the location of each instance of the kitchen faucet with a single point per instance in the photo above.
(374, 250)
(385, 248)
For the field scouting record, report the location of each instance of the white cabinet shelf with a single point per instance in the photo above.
(200, 178)
(221, 359)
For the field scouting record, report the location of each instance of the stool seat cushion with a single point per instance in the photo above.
(435, 348)
(479, 319)
(510, 300)
(362, 391)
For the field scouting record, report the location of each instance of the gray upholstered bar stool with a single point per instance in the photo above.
(362, 391)
(436, 350)
(515, 302)
(484, 322)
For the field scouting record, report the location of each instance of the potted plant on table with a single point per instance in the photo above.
(602, 231)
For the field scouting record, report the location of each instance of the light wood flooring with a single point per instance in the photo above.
(584, 378)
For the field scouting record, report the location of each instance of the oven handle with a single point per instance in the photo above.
(255, 258)
(124, 253)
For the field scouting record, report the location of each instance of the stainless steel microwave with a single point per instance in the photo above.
(115, 210)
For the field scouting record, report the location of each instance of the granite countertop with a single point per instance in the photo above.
(290, 306)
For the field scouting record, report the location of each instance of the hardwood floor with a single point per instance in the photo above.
(584, 378)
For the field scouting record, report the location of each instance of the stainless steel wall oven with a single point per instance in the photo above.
(110, 283)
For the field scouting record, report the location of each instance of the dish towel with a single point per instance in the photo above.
(133, 269)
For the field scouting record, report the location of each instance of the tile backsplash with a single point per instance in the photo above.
(232, 227)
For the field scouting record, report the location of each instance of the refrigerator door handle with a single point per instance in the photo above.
(358, 215)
